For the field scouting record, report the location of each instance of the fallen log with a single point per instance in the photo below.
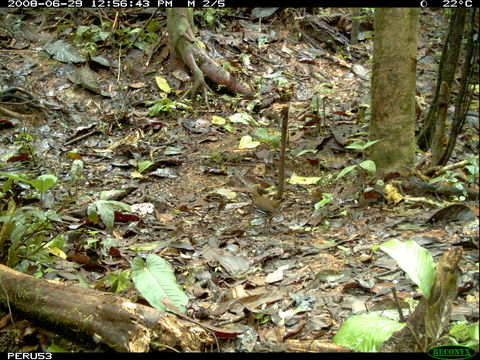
(105, 317)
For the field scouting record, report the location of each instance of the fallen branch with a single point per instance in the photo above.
(105, 317)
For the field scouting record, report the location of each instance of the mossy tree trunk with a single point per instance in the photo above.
(393, 90)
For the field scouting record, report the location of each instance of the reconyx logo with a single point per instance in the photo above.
(456, 352)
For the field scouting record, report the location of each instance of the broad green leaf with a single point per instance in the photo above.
(270, 139)
(366, 332)
(301, 180)
(345, 171)
(105, 210)
(156, 281)
(416, 261)
(246, 142)
(369, 166)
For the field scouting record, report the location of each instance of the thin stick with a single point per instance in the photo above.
(283, 146)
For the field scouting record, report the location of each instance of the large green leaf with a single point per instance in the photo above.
(44, 182)
(156, 281)
(416, 261)
(366, 332)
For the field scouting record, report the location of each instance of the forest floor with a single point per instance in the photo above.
(288, 280)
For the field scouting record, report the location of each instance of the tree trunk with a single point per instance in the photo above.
(393, 90)
(355, 26)
(446, 73)
(107, 318)
(465, 94)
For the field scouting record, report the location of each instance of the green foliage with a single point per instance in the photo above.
(325, 200)
(167, 106)
(24, 140)
(416, 261)
(465, 334)
(361, 145)
(453, 178)
(367, 332)
(119, 282)
(105, 209)
(272, 140)
(367, 165)
(41, 183)
(29, 230)
(91, 36)
(156, 282)
(144, 165)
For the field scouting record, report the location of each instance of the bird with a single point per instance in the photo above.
(264, 204)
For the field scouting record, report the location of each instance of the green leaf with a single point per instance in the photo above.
(105, 210)
(119, 282)
(246, 142)
(156, 281)
(416, 261)
(345, 171)
(369, 166)
(242, 118)
(144, 165)
(272, 140)
(366, 332)
(325, 200)
(314, 151)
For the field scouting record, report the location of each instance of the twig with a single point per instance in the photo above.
(81, 137)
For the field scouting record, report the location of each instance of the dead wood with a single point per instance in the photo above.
(106, 318)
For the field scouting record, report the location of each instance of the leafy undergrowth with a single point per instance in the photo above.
(99, 174)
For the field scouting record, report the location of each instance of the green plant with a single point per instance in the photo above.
(105, 209)
(325, 200)
(24, 140)
(272, 140)
(472, 171)
(167, 106)
(155, 280)
(361, 145)
(119, 282)
(367, 165)
(144, 165)
(32, 235)
(460, 182)
(367, 332)
(42, 183)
